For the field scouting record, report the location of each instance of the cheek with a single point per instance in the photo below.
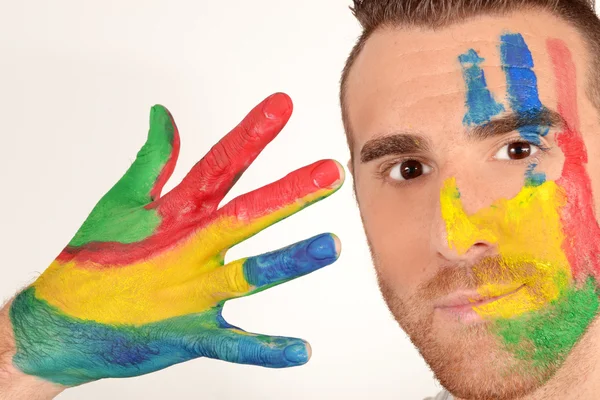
(397, 223)
(528, 233)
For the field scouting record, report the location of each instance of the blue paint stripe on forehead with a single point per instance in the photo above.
(480, 103)
(517, 64)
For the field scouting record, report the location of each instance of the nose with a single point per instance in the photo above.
(456, 236)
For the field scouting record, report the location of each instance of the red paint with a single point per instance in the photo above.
(288, 190)
(209, 181)
(176, 227)
(192, 205)
(578, 216)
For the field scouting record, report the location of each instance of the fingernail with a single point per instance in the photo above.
(325, 174)
(276, 106)
(321, 248)
(296, 354)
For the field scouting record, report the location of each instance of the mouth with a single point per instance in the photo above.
(463, 304)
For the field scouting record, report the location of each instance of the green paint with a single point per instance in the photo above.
(547, 336)
(120, 215)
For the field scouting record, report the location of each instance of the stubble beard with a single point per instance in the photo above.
(469, 360)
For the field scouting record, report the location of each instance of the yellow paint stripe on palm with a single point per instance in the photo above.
(183, 280)
(527, 232)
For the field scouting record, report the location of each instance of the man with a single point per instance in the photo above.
(473, 133)
(473, 128)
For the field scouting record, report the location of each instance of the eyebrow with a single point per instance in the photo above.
(397, 143)
(400, 143)
(514, 121)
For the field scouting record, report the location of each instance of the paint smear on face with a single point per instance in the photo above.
(547, 336)
(480, 103)
(517, 64)
(578, 216)
(517, 227)
(533, 178)
(547, 235)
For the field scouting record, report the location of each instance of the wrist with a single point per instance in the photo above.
(14, 384)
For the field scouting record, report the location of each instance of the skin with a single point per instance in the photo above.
(476, 220)
(142, 284)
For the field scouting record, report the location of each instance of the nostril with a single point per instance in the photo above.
(479, 247)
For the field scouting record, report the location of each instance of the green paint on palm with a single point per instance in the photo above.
(120, 215)
(547, 336)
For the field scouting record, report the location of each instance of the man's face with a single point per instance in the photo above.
(475, 163)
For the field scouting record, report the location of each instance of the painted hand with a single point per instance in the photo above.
(142, 284)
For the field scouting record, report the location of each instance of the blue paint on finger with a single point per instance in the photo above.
(290, 262)
(296, 354)
(246, 348)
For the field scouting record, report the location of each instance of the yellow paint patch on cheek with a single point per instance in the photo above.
(528, 235)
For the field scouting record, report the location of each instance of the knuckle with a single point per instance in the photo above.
(250, 129)
(219, 159)
(240, 209)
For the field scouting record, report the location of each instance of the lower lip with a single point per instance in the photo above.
(466, 314)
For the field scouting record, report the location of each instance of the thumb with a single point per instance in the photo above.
(155, 162)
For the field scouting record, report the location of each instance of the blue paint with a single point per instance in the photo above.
(290, 262)
(517, 64)
(296, 353)
(532, 133)
(533, 178)
(480, 103)
(83, 351)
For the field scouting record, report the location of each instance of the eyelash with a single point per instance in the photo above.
(384, 170)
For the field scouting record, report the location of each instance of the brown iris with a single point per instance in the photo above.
(411, 169)
(519, 150)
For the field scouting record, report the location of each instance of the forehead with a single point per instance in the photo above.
(412, 78)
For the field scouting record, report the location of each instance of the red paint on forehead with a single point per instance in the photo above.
(582, 246)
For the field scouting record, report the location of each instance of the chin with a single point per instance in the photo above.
(470, 363)
(469, 359)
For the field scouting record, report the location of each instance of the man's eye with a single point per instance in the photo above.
(409, 169)
(516, 151)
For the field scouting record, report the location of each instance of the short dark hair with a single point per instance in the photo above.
(373, 14)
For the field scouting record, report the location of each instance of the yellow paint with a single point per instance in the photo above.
(528, 234)
(186, 279)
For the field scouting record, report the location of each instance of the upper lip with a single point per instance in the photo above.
(471, 298)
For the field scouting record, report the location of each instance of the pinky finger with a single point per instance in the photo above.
(240, 347)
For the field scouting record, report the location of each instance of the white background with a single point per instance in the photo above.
(77, 80)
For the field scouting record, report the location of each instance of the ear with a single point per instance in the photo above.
(349, 165)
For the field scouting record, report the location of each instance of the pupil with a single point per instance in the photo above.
(518, 151)
(411, 169)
